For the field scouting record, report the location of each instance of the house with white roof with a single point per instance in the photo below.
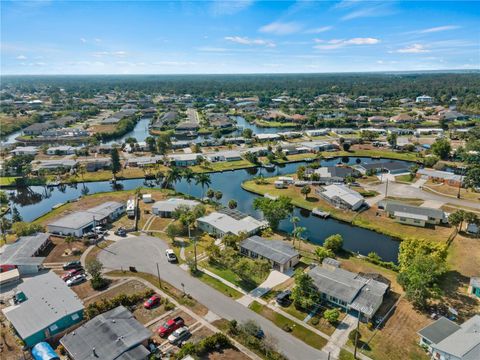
(166, 208)
(341, 196)
(220, 224)
(25, 150)
(184, 159)
(228, 155)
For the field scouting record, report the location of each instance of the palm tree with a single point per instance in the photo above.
(294, 220)
(297, 234)
(189, 176)
(173, 175)
(204, 181)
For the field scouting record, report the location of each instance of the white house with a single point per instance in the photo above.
(25, 150)
(341, 196)
(220, 224)
(166, 208)
(61, 150)
(424, 99)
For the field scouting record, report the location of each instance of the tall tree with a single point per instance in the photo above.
(274, 210)
(441, 148)
(116, 166)
(203, 180)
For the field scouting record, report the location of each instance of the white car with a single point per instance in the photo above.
(179, 335)
(170, 254)
(77, 279)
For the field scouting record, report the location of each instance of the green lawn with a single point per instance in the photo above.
(345, 355)
(222, 166)
(231, 277)
(299, 331)
(405, 178)
(7, 181)
(218, 285)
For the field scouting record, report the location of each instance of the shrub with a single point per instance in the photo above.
(103, 305)
(168, 305)
(331, 315)
(351, 336)
(99, 283)
(315, 321)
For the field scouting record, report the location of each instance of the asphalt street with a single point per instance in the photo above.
(145, 252)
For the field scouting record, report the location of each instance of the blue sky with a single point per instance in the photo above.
(107, 37)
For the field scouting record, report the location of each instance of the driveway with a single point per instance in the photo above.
(145, 252)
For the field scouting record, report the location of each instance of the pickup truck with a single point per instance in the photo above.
(170, 326)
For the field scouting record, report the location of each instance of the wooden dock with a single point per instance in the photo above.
(320, 213)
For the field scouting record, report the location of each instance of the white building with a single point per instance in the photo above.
(166, 208)
(229, 155)
(424, 99)
(341, 196)
(25, 253)
(25, 150)
(220, 224)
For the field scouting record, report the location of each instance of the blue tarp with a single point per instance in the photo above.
(43, 351)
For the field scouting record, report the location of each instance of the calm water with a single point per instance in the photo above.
(35, 201)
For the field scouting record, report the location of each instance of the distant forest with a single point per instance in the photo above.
(442, 86)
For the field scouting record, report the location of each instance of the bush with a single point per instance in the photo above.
(99, 283)
(212, 343)
(315, 321)
(103, 305)
(334, 243)
(331, 315)
(168, 305)
(352, 335)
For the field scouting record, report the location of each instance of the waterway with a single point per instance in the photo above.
(35, 201)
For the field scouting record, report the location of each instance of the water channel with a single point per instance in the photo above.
(35, 201)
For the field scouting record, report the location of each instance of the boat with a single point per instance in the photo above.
(269, 166)
(320, 213)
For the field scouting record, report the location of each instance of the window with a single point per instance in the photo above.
(75, 317)
(54, 327)
(403, 219)
(416, 221)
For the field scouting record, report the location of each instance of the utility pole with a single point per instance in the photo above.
(459, 187)
(386, 189)
(356, 337)
(159, 279)
(195, 251)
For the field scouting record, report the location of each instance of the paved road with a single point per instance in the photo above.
(144, 252)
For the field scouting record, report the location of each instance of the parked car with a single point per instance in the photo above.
(170, 326)
(283, 299)
(171, 257)
(260, 334)
(72, 265)
(121, 232)
(71, 273)
(152, 302)
(179, 335)
(77, 279)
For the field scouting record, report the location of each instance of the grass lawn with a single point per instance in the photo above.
(405, 178)
(410, 201)
(218, 285)
(387, 154)
(11, 123)
(345, 355)
(281, 321)
(298, 199)
(230, 276)
(466, 194)
(7, 181)
(263, 123)
(222, 166)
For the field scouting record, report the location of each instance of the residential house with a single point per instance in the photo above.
(25, 150)
(166, 208)
(94, 164)
(474, 286)
(334, 174)
(414, 215)
(232, 222)
(343, 131)
(341, 196)
(281, 255)
(24, 254)
(113, 335)
(267, 137)
(228, 155)
(317, 132)
(441, 176)
(49, 165)
(424, 99)
(446, 340)
(401, 119)
(317, 145)
(80, 222)
(428, 131)
(389, 166)
(377, 119)
(44, 306)
(184, 159)
(61, 150)
(356, 294)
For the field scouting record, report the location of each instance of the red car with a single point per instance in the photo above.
(170, 326)
(152, 302)
(71, 273)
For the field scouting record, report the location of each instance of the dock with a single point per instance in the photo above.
(320, 213)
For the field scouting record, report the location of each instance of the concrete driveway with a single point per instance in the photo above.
(144, 252)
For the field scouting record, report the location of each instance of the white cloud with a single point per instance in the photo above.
(439, 28)
(83, 40)
(211, 49)
(413, 49)
(318, 30)
(220, 7)
(339, 43)
(21, 57)
(379, 9)
(248, 41)
(110, 53)
(97, 40)
(281, 28)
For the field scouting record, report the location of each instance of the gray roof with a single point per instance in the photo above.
(464, 343)
(387, 165)
(335, 171)
(275, 250)
(21, 252)
(397, 207)
(172, 204)
(115, 334)
(475, 281)
(49, 299)
(439, 330)
(80, 219)
(362, 294)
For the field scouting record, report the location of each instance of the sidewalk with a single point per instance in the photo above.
(340, 336)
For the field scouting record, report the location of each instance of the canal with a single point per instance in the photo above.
(34, 201)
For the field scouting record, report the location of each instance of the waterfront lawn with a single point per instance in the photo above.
(277, 124)
(376, 153)
(7, 180)
(299, 331)
(217, 285)
(294, 192)
(222, 166)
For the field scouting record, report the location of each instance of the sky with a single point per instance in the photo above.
(218, 37)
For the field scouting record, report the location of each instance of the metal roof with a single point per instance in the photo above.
(172, 204)
(228, 224)
(411, 210)
(112, 334)
(463, 343)
(340, 191)
(439, 330)
(21, 252)
(48, 299)
(275, 250)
